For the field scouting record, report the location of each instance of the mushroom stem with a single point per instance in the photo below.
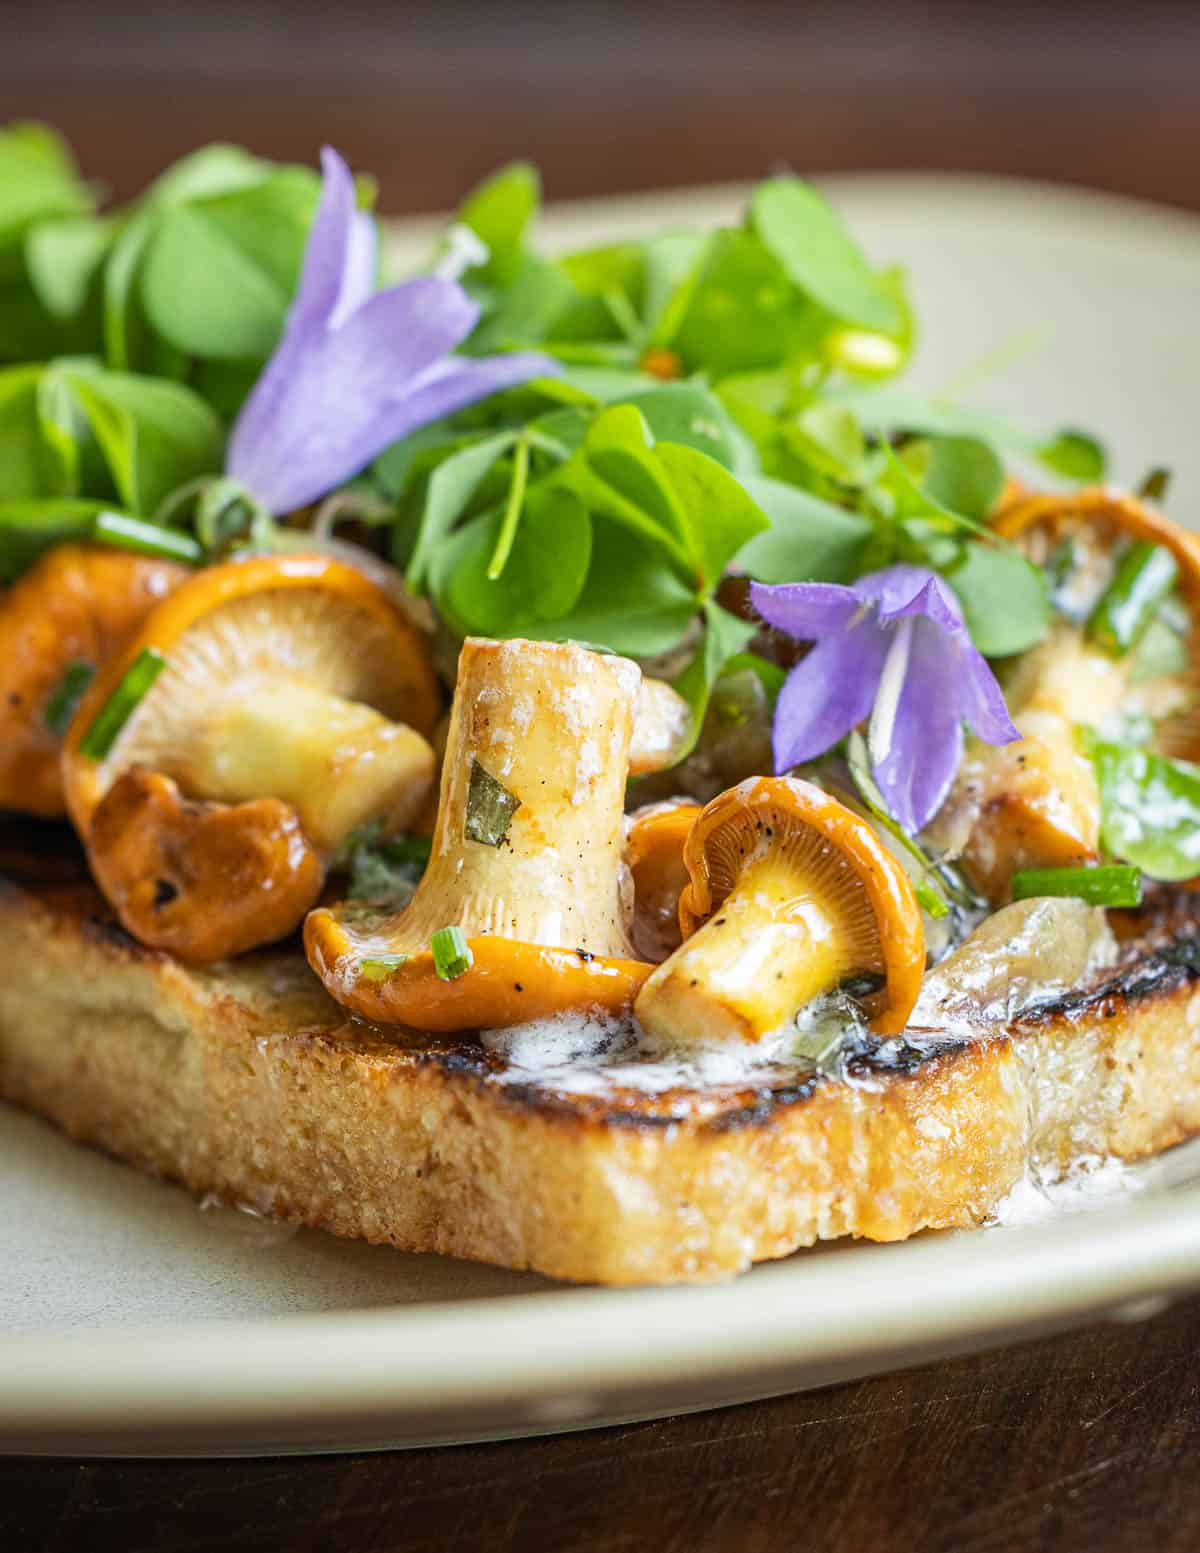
(775, 944)
(526, 855)
(339, 763)
(551, 724)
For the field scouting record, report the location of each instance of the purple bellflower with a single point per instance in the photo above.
(357, 369)
(893, 646)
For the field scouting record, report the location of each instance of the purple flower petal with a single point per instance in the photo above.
(828, 693)
(297, 438)
(328, 256)
(980, 699)
(805, 611)
(927, 739)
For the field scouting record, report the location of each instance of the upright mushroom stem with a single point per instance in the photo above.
(526, 855)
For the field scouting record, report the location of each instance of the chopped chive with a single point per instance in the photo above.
(1145, 576)
(929, 900)
(1109, 884)
(67, 695)
(451, 953)
(380, 966)
(125, 533)
(490, 808)
(120, 706)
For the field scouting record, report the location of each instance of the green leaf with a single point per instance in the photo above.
(719, 514)
(500, 212)
(809, 540)
(1004, 598)
(815, 247)
(38, 180)
(219, 272)
(525, 313)
(155, 435)
(691, 414)
(29, 528)
(542, 581)
(965, 475)
(672, 265)
(1150, 809)
(25, 461)
(451, 487)
(633, 600)
(1075, 454)
(725, 636)
(741, 312)
(63, 259)
(670, 494)
(886, 411)
(213, 170)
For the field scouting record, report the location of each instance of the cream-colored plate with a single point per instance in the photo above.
(132, 1322)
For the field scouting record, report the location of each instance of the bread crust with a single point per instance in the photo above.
(246, 1081)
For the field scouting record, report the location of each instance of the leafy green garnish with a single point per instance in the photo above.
(1150, 809)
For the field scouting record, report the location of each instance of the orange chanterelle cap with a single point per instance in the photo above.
(59, 622)
(790, 896)
(524, 878)
(268, 708)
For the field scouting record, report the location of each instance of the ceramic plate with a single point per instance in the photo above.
(134, 1322)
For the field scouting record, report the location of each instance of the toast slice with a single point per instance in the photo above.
(245, 1080)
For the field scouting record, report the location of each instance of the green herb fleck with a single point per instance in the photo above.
(452, 955)
(67, 695)
(379, 967)
(121, 705)
(490, 808)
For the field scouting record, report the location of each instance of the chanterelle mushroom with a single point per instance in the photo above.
(58, 622)
(791, 896)
(524, 876)
(269, 707)
(654, 855)
(1035, 803)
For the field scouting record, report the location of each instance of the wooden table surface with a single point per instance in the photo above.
(1083, 1444)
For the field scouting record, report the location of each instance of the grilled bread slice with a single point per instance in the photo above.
(246, 1081)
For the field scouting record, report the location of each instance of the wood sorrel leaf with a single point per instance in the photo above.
(633, 600)
(63, 259)
(964, 474)
(219, 271)
(541, 582)
(817, 251)
(1150, 809)
(38, 180)
(500, 212)
(725, 636)
(25, 461)
(1005, 599)
(155, 435)
(809, 540)
(451, 487)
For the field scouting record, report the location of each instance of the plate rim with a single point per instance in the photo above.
(379, 1376)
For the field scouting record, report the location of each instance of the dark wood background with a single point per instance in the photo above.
(1085, 1444)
